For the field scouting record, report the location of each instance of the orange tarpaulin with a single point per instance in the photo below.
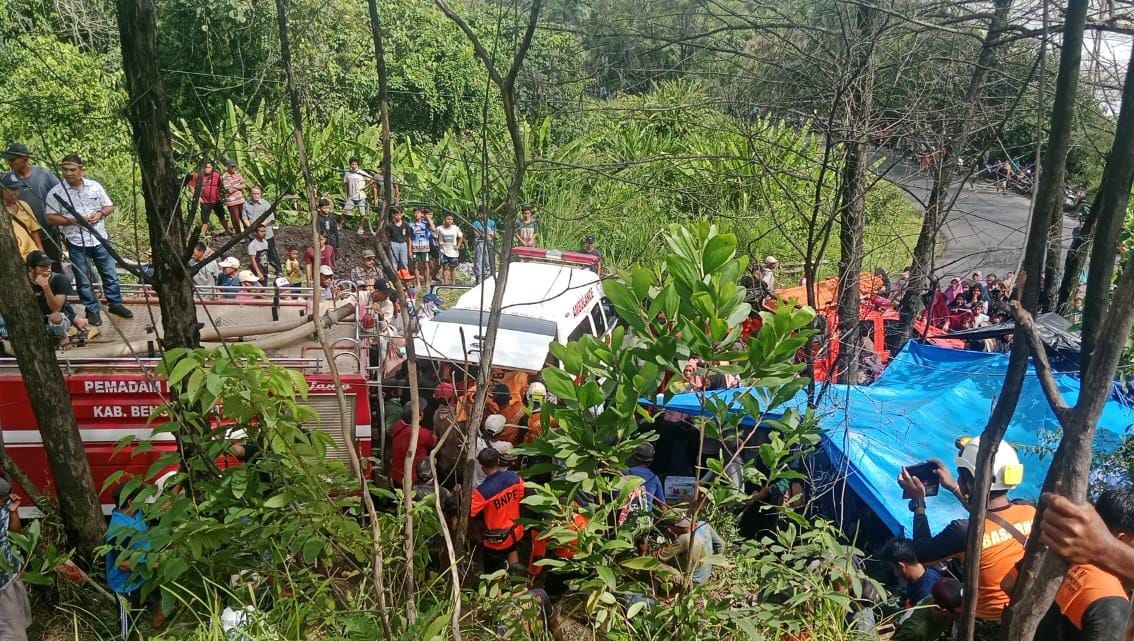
(827, 291)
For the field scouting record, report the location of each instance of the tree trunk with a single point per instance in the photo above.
(1048, 204)
(146, 109)
(506, 86)
(1053, 259)
(1077, 256)
(1068, 474)
(1108, 214)
(391, 274)
(939, 204)
(852, 197)
(75, 487)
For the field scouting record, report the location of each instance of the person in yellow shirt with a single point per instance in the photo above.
(24, 224)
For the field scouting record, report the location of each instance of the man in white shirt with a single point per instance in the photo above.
(255, 207)
(770, 266)
(358, 184)
(78, 196)
(449, 241)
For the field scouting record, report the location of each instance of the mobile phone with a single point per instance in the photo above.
(926, 472)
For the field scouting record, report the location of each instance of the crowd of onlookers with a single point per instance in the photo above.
(56, 220)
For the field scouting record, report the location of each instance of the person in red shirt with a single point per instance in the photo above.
(497, 501)
(326, 257)
(211, 198)
(400, 443)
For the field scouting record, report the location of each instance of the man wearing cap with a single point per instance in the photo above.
(770, 267)
(690, 546)
(36, 183)
(368, 268)
(590, 250)
(78, 196)
(255, 207)
(233, 184)
(327, 285)
(51, 292)
(228, 280)
(211, 196)
(24, 225)
(249, 285)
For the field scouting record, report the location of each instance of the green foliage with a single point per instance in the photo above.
(287, 511)
(692, 309)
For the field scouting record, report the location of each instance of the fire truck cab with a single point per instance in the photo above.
(113, 389)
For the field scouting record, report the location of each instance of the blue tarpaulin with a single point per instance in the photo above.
(925, 399)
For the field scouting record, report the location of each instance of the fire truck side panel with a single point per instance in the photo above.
(109, 407)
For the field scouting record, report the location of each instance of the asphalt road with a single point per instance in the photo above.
(984, 231)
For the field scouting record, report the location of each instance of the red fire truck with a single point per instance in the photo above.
(113, 394)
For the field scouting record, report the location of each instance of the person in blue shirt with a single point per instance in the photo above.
(228, 280)
(128, 538)
(421, 239)
(484, 245)
(640, 462)
(899, 553)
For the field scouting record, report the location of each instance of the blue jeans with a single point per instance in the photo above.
(81, 260)
(484, 259)
(399, 255)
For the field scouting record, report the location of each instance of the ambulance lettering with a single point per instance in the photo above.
(583, 301)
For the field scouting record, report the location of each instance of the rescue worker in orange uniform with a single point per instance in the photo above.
(537, 396)
(1006, 526)
(497, 501)
(1092, 604)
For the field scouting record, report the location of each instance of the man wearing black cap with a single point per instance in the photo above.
(77, 197)
(51, 292)
(590, 250)
(36, 183)
(24, 224)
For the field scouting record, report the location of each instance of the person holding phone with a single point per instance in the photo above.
(1006, 526)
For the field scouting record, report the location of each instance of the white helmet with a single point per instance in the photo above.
(494, 424)
(537, 392)
(1007, 471)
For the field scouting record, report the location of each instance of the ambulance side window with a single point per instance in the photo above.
(612, 319)
(597, 322)
(581, 330)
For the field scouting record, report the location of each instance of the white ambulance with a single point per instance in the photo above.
(551, 296)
